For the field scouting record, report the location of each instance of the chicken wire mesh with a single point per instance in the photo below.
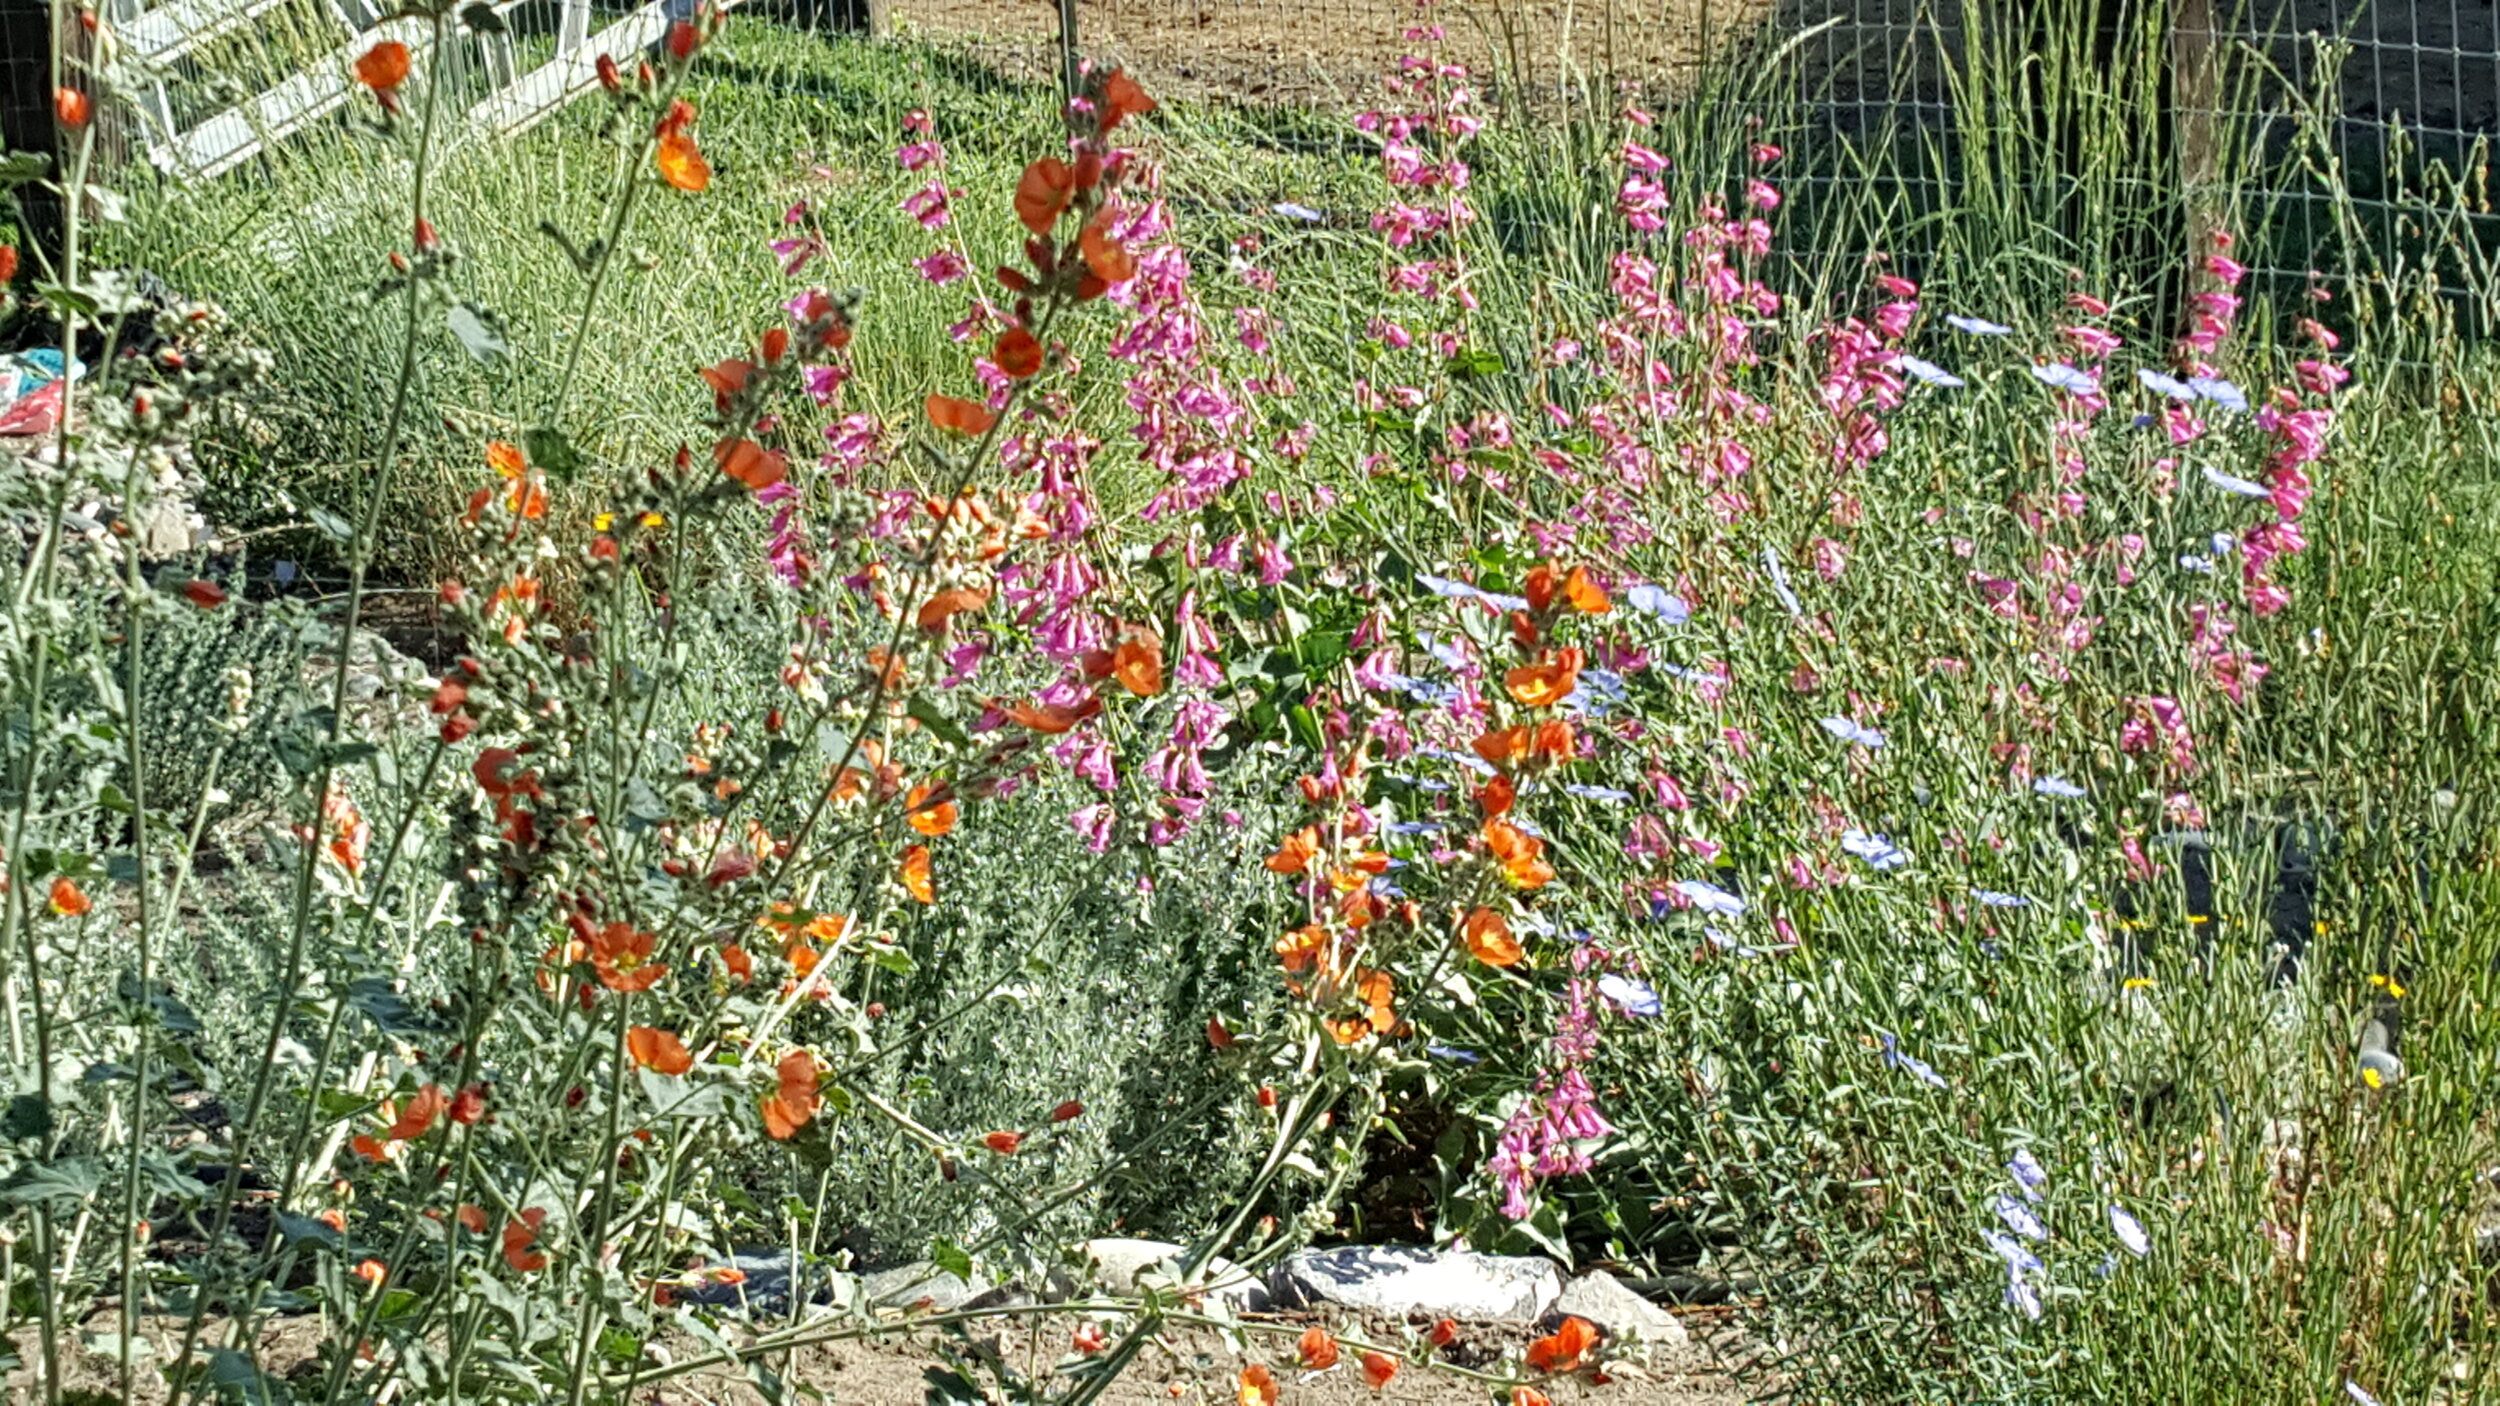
(2348, 140)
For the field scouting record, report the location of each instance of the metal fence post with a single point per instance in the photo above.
(1070, 80)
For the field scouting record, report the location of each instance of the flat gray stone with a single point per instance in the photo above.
(1604, 1300)
(1118, 1261)
(774, 1283)
(1408, 1280)
(906, 1285)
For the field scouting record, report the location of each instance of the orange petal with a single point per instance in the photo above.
(681, 162)
(1017, 353)
(962, 416)
(1319, 1351)
(915, 874)
(659, 1051)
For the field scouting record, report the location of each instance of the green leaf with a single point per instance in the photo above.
(237, 1379)
(554, 455)
(893, 959)
(305, 1228)
(1306, 728)
(945, 729)
(27, 1116)
(478, 330)
(70, 1179)
(331, 525)
(19, 167)
(951, 1257)
(674, 1096)
(387, 1009)
(948, 1388)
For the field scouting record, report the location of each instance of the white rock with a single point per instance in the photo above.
(1603, 1300)
(1119, 1260)
(1408, 1280)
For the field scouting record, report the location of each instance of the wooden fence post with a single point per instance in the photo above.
(2195, 94)
(1071, 81)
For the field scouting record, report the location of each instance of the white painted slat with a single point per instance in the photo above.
(169, 31)
(545, 89)
(233, 136)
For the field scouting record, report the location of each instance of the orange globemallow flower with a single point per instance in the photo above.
(1043, 193)
(946, 412)
(1067, 1112)
(1378, 991)
(751, 463)
(1302, 948)
(1575, 589)
(1138, 665)
(419, 1115)
(1004, 1144)
(1585, 595)
(1503, 747)
(384, 66)
(1529, 1396)
(1319, 1351)
(681, 162)
(659, 1051)
(69, 900)
(1018, 353)
(1258, 1386)
(726, 377)
(70, 107)
(1497, 796)
(1488, 936)
(622, 958)
(1521, 855)
(1296, 853)
(916, 876)
(1552, 741)
(928, 810)
(1566, 1348)
(520, 1242)
(1544, 684)
(1106, 256)
(1052, 719)
(793, 1105)
(207, 595)
(1379, 1369)
(949, 603)
(1122, 98)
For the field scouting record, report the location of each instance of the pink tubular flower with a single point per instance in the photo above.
(942, 267)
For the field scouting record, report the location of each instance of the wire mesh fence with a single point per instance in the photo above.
(2347, 140)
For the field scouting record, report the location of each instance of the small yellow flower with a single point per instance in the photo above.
(2139, 983)
(2388, 984)
(2371, 1078)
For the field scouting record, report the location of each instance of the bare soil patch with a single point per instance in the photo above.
(1190, 1365)
(1331, 51)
